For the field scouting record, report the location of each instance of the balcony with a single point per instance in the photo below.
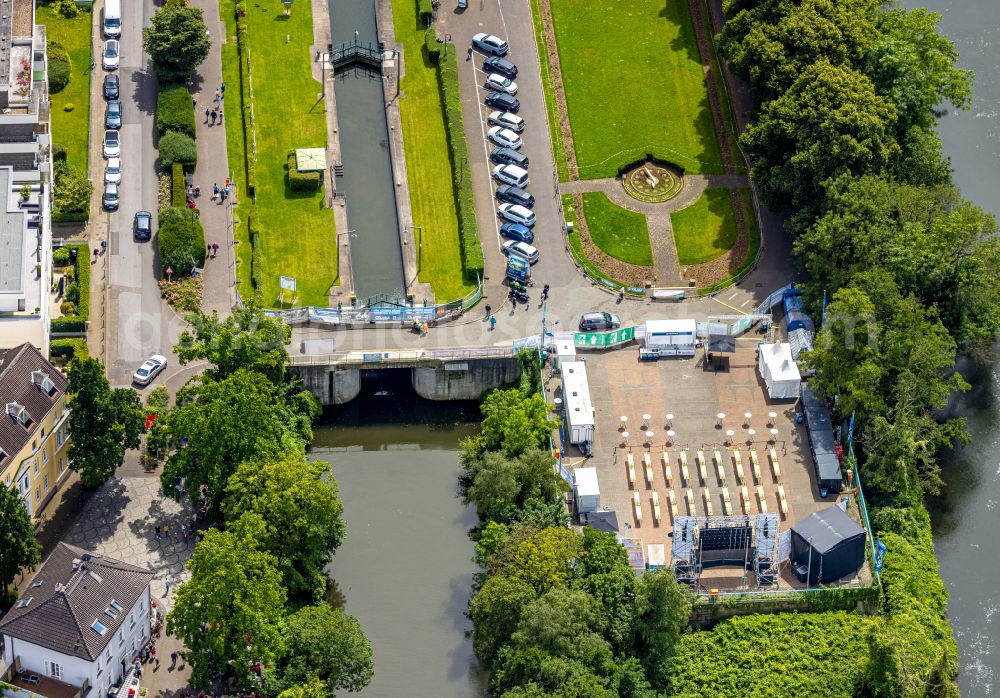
(17, 683)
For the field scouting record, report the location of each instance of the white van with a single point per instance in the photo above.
(113, 18)
(511, 174)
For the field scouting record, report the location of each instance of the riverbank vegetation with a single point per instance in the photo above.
(254, 608)
(428, 165)
(280, 231)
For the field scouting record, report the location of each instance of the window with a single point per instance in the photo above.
(121, 637)
(45, 483)
(61, 436)
(100, 629)
(45, 456)
(35, 463)
(109, 655)
(54, 670)
(116, 606)
(38, 493)
(23, 603)
(60, 466)
(131, 618)
(24, 486)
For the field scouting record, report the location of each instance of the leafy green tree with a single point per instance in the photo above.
(512, 423)
(499, 485)
(176, 147)
(313, 688)
(604, 572)
(233, 599)
(495, 611)
(302, 515)
(563, 623)
(18, 546)
(102, 422)
(177, 42)
(248, 338)
(546, 559)
(72, 191)
(829, 122)
(662, 608)
(323, 644)
(222, 424)
(158, 436)
(557, 677)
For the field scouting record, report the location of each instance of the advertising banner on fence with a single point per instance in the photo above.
(601, 340)
(396, 314)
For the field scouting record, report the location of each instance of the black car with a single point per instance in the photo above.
(143, 225)
(502, 100)
(111, 86)
(113, 114)
(508, 156)
(495, 64)
(514, 195)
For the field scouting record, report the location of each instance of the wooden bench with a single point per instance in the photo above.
(727, 503)
(782, 502)
(755, 464)
(689, 496)
(648, 463)
(673, 505)
(631, 468)
(719, 467)
(761, 499)
(738, 462)
(638, 508)
(708, 503)
(656, 507)
(772, 455)
(667, 474)
(700, 459)
(745, 499)
(682, 457)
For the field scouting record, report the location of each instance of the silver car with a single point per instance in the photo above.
(152, 366)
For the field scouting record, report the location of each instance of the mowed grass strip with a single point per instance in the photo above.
(705, 230)
(634, 85)
(620, 233)
(297, 233)
(428, 167)
(71, 128)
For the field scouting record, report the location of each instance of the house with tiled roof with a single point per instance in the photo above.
(78, 626)
(34, 444)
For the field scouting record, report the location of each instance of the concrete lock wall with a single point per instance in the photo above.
(331, 385)
(464, 380)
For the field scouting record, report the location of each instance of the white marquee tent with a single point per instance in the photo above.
(774, 361)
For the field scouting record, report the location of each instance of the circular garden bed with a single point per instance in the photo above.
(653, 182)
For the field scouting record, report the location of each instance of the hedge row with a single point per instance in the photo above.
(69, 323)
(181, 241)
(301, 181)
(425, 12)
(242, 38)
(176, 147)
(473, 263)
(83, 280)
(178, 192)
(68, 348)
(175, 111)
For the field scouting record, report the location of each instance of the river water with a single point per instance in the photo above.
(405, 567)
(966, 516)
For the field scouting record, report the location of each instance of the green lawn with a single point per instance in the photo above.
(297, 233)
(634, 85)
(70, 128)
(620, 233)
(428, 167)
(705, 230)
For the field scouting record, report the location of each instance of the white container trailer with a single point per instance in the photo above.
(588, 493)
(578, 412)
(565, 351)
(672, 337)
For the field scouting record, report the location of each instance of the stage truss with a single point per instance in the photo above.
(749, 542)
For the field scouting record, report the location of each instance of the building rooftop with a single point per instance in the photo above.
(76, 602)
(30, 383)
(12, 240)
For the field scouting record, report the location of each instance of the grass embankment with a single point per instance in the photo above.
(293, 232)
(705, 230)
(428, 166)
(620, 233)
(634, 86)
(71, 128)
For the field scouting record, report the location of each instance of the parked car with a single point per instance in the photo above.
(508, 156)
(504, 137)
(599, 321)
(111, 86)
(521, 249)
(113, 171)
(143, 225)
(501, 118)
(498, 83)
(495, 64)
(516, 231)
(112, 144)
(514, 195)
(113, 114)
(110, 57)
(502, 100)
(517, 214)
(150, 368)
(111, 196)
(511, 174)
(490, 44)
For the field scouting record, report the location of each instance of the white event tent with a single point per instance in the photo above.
(779, 371)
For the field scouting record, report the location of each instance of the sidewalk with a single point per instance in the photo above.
(213, 168)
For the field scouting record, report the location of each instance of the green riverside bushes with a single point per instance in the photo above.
(301, 181)
(177, 147)
(175, 111)
(181, 242)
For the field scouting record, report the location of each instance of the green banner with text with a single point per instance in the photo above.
(601, 340)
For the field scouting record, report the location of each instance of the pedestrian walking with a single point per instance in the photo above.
(220, 115)
(545, 293)
(489, 311)
(157, 530)
(215, 249)
(469, 56)
(222, 90)
(208, 113)
(215, 190)
(215, 115)
(166, 531)
(173, 659)
(493, 322)
(218, 96)
(96, 252)
(208, 250)
(167, 584)
(194, 101)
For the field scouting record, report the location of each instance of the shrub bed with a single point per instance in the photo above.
(175, 111)
(178, 193)
(301, 181)
(177, 147)
(68, 348)
(181, 242)
(60, 67)
(69, 323)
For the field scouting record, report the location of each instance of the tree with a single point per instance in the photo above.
(302, 515)
(321, 643)
(176, 147)
(72, 190)
(512, 422)
(500, 485)
(181, 246)
(177, 42)
(605, 573)
(829, 122)
(226, 423)
(18, 546)
(248, 338)
(495, 611)
(233, 599)
(546, 559)
(662, 610)
(102, 422)
(313, 688)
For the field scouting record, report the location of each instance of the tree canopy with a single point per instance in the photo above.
(18, 546)
(177, 41)
(248, 339)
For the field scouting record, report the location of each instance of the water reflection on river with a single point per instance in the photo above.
(405, 568)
